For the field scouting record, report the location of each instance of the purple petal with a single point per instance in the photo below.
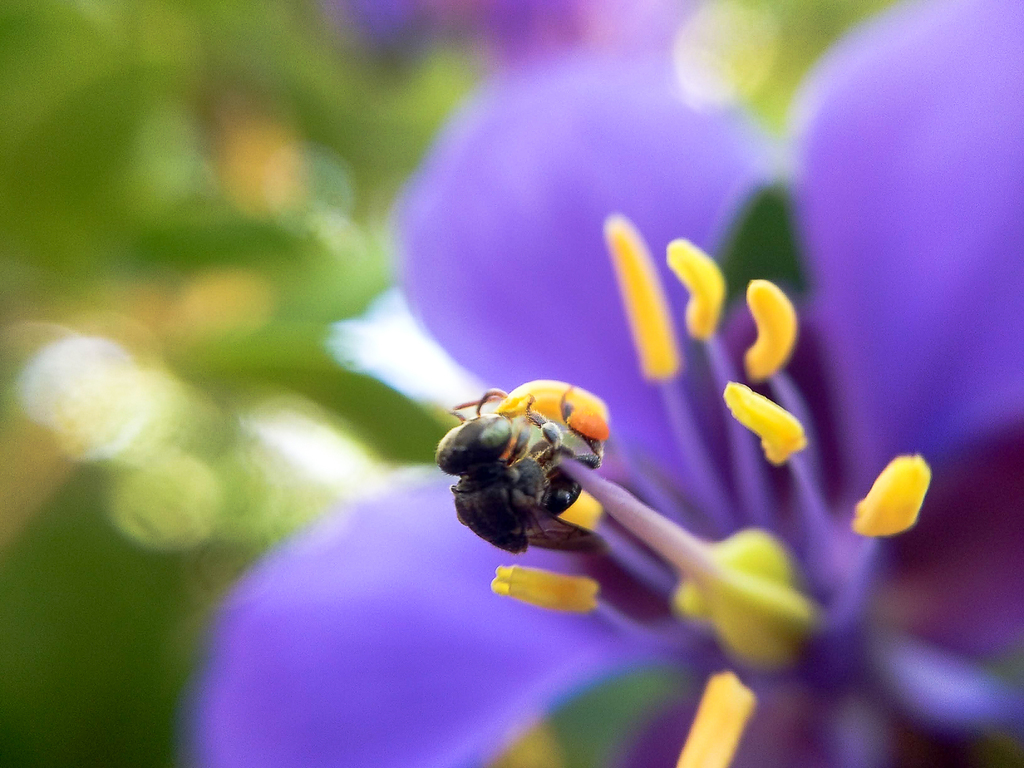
(947, 693)
(910, 181)
(374, 640)
(502, 228)
(959, 577)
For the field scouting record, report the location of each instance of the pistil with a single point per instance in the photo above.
(745, 586)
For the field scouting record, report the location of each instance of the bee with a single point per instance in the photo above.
(509, 492)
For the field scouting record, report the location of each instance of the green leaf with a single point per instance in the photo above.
(763, 244)
(96, 641)
(295, 358)
(595, 723)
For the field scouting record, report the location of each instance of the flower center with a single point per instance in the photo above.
(761, 598)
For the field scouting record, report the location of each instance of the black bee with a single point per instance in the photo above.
(509, 494)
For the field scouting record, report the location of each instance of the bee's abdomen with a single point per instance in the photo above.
(487, 511)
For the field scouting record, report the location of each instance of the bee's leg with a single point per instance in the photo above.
(490, 394)
(545, 451)
(595, 445)
(532, 415)
(592, 460)
(520, 446)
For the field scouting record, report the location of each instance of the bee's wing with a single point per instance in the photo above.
(549, 532)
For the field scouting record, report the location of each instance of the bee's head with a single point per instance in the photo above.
(482, 440)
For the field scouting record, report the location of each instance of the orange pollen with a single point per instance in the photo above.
(589, 424)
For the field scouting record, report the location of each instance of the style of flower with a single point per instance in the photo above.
(373, 639)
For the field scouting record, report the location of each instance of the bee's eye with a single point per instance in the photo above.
(560, 500)
(496, 434)
(480, 441)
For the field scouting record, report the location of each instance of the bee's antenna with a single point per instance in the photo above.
(490, 394)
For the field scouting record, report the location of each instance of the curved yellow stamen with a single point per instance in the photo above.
(894, 501)
(724, 710)
(754, 603)
(546, 589)
(780, 432)
(776, 329)
(586, 512)
(703, 279)
(644, 299)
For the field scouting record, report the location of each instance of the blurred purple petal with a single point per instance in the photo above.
(375, 641)
(523, 29)
(959, 579)
(947, 693)
(910, 181)
(502, 227)
(517, 31)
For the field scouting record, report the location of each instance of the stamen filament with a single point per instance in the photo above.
(851, 598)
(546, 589)
(894, 501)
(776, 329)
(757, 612)
(677, 546)
(703, 479)
(655, 574)
(666, 634)
(644, 299)
(748, 469)
(722, 716)
(703, 279)
(781, 434)
(816, 521)
(787, 394)
(650, 486)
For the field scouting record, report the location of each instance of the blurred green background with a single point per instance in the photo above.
(192, 194)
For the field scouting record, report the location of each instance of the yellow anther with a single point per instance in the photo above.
(644, 298)
(754, 604)
(776, 329)
(703, 279)
(585, 512)
(546, 589)
(780, 432)
(894, 501)
(722, 715)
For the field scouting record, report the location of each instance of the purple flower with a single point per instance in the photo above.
(373, 639)
(515, 30)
